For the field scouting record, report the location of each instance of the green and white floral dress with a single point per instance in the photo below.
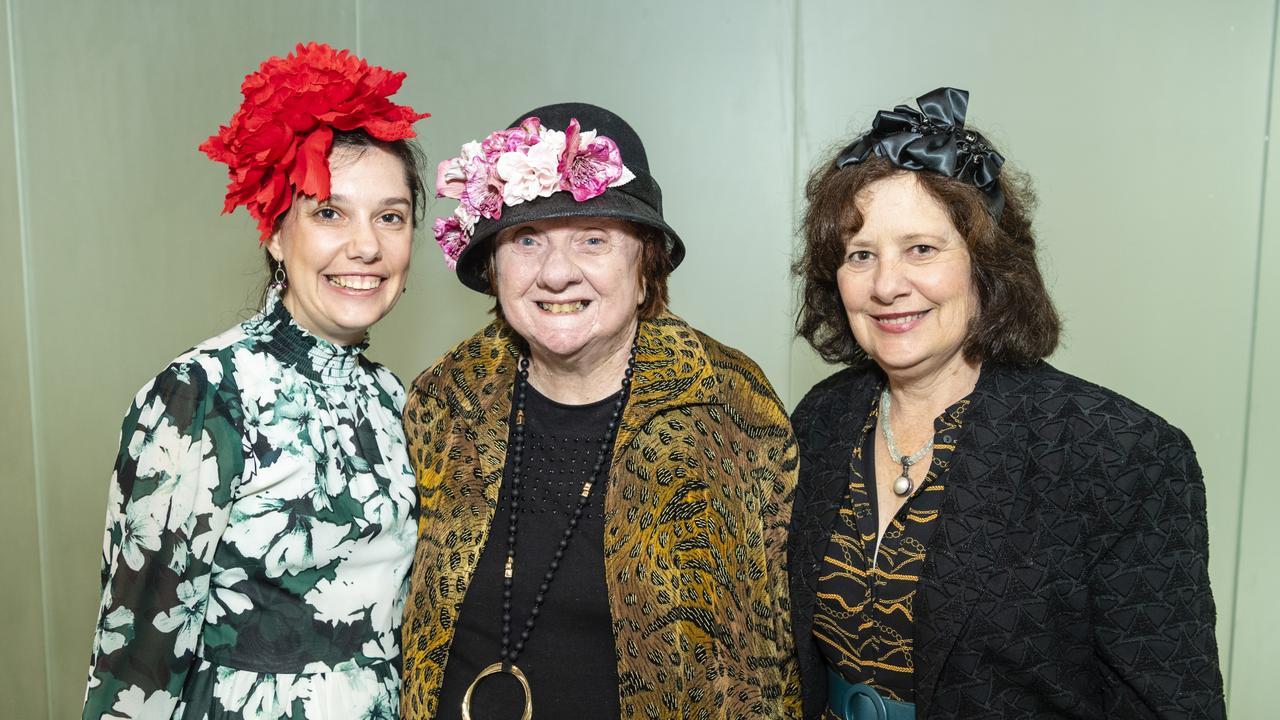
(260, 526)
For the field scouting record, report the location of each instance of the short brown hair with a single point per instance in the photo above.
(654, 269)
(1016, 321)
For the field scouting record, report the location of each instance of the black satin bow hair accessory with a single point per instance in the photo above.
(934, 139)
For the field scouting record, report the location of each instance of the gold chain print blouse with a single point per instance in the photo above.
(864, 620)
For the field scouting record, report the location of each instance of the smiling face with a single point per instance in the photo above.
(570, 287)
(906, 283)
(346, 258)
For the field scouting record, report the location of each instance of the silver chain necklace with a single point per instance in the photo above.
(903, 485)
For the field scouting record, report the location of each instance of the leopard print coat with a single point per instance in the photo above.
(696, 513)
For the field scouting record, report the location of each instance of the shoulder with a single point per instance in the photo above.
(194, 383)
(485, 347)
(738, 374)
(1094, 435)
(834, 395)
(468, 374)
(1050, 395)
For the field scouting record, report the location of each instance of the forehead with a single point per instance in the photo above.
(570, 224)
(899, 205)
(354, 167)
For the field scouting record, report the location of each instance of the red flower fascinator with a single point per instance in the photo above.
(278, 142)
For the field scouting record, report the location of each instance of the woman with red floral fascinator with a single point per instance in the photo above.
(605, 489)
(262, 516)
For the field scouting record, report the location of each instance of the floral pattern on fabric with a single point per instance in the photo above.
(261, 521)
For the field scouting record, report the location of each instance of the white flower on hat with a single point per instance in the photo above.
(534, 173)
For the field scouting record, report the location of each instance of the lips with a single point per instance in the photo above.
(567, 308)
(355, 282)
(899, 322)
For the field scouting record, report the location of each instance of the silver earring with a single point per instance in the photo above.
(279, 281)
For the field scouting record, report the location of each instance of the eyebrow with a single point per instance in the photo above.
(522, 230)
(909, 237)
(394, 200)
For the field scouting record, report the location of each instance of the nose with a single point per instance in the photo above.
(890, 281)
(559, 268)
(363, 243)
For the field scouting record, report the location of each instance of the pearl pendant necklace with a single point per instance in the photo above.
(903, 485)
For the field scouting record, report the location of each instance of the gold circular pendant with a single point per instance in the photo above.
(494, 669)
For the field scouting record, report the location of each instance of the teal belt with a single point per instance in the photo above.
(861, 702)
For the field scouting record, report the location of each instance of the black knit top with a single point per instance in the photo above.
(569, 659)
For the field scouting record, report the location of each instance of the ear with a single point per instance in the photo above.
(275, 247)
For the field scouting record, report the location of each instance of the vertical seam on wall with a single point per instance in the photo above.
(24, 244)
(797, 115)
(359, 48)
(1252, 349)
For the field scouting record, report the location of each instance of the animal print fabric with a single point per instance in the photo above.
(696, 511)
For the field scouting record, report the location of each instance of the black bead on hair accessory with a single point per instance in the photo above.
(933, 138)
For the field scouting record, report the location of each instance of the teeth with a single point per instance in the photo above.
(561, 308)
(355, 282)
(900, 320)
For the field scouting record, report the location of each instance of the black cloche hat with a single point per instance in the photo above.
(639, 200)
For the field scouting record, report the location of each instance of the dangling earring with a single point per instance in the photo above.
(279, 281)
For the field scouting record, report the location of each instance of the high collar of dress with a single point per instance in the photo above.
(314, 357)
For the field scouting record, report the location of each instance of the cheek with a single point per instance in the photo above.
(851, 288)
(399, 256)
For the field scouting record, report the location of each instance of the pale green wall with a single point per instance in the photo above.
(1255, 659)
(1144, 132)
(22, 661)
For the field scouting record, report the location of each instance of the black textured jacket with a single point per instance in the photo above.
(1068, 577)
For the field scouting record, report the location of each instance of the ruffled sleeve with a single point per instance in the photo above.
(180, 459)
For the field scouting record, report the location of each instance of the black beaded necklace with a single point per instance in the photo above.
(511, 652)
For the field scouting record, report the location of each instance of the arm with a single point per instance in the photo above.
(781, 491)
(167, 506)
(772, 466)
(1152, 608)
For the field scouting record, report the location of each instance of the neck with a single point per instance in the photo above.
(924, 397)
(581, 380)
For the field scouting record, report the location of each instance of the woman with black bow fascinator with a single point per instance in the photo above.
(975, 533)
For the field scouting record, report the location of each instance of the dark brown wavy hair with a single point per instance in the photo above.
(1016, 321)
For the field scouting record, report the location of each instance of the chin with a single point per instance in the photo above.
(560, 344)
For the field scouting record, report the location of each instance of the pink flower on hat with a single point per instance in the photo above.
(482, 195)
(517, 165)
(451, 174)
(451, 238)
(590, 164)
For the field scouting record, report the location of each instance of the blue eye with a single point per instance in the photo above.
(526, 241)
